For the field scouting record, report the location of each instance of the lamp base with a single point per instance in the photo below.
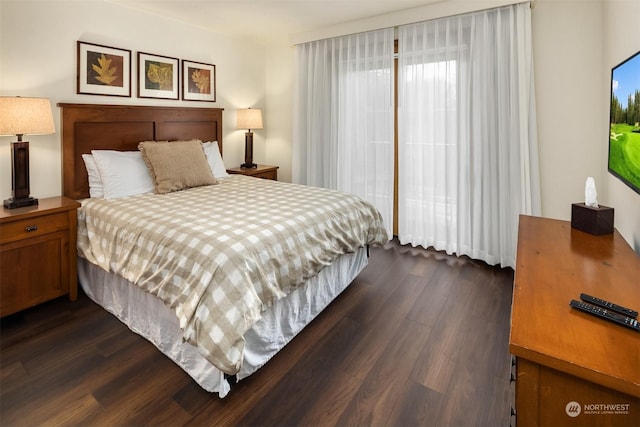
(20, 203)
(249, 165)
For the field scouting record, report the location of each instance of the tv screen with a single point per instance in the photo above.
(624, 128)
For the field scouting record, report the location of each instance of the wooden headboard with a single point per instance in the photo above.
(87, 127)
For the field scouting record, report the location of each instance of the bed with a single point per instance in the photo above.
(217, 290)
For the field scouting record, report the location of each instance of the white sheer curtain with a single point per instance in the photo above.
(468, 163)
(343, 117)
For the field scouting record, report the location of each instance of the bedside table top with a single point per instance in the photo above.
(47, 205)
(252, 171)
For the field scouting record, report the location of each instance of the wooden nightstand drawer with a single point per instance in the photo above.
(261, 171)
(267, 175)
(32, 227)
(33, 271)
(38, 255)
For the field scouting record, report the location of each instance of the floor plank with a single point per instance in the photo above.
(419, 338)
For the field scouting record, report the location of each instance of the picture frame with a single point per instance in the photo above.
(158, 76)
(198, 81)
(103, 70)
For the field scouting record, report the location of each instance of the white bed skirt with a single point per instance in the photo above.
(147, 316)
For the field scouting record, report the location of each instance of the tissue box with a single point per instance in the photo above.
(592, 220)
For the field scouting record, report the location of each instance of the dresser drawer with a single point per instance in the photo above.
(32, 227)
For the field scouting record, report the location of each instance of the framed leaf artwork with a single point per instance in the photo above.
(198, 81)
(103, 70)
(158, 76)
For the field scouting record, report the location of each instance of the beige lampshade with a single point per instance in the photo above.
(250, 118)
(25, 116)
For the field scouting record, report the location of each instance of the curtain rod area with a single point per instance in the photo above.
(427, 12)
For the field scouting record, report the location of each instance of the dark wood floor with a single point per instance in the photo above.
(420, 338)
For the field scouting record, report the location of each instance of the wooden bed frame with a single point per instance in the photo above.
(87, 127)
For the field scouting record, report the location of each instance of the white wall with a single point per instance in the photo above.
(567, 43)
(38, 58)
(576, 42)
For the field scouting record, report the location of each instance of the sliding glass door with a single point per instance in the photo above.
(460, 107)
(467, 149)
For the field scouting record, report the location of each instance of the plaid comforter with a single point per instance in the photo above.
(219, 255)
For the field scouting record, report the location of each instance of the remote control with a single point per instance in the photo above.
(609, 305)
(606, 314)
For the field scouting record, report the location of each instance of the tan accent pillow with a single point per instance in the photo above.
(176, 165)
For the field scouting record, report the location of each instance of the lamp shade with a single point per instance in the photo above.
(250, 118)
(25, 116)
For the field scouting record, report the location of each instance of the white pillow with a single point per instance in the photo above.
(95, 181)
(123, 173)
(212, 151)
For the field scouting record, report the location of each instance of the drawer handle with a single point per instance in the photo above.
(31, 228)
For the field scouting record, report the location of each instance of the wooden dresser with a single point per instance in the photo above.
(37, 253)
(573, 368)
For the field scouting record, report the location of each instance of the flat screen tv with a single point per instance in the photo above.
(624, 122)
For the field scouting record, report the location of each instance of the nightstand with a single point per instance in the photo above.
(38, 258)
(262, 171)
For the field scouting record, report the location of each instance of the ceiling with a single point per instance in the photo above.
(269, 19)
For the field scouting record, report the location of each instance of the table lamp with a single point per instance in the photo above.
(23, 116)
(250, 118)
